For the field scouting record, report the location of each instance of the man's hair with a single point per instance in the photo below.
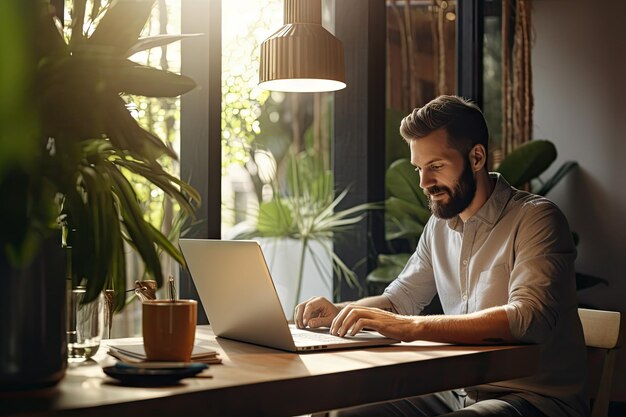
(462, 120)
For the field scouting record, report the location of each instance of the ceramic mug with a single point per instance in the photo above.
(169, 329)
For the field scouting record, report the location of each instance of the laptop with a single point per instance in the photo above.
(241, 302)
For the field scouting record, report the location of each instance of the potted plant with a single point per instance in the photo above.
(65, 154)
(296, 229)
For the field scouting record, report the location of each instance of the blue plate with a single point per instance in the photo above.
(129, 375)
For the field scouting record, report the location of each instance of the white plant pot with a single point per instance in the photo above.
(282, 256)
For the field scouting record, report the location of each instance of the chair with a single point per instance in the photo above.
(601, 329)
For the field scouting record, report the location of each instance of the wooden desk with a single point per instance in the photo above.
(257, 381)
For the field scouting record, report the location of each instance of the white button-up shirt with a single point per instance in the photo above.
(516, 251)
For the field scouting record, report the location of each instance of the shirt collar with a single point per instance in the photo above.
(491, 211)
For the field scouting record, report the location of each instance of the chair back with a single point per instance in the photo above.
(601, 329)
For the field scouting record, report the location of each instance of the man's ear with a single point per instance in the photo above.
(478, 157)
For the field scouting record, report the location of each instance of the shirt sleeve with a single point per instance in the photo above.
(415, 287)
(542, 283)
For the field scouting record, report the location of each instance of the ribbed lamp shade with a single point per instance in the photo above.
(302, 56)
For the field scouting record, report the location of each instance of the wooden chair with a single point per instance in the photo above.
(601, 329)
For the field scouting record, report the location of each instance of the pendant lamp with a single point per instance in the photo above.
(302, 56)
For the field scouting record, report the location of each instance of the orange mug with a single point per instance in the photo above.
(169, 329)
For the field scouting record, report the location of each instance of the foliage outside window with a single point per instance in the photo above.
(259, 128)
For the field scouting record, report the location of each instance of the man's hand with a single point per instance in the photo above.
(354, 318)
(316, 312)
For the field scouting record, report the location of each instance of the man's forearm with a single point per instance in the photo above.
(376, 301)
(488, 326)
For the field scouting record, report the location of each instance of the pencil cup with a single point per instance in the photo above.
(169, 329)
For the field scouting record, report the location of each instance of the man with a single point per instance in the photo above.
(502, 261)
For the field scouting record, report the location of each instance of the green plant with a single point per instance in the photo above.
(85, 141)
(305, 210)
(406, 208)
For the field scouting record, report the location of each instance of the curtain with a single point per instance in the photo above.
(517, 97)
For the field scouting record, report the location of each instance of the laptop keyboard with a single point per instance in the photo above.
(320, 338)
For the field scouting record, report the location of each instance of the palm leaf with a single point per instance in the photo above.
(183, 193)
(164, 243)
(275, 219)
(78, 20)
(138, 229)
(121, 26)
(118, 267)
(155, 41)
(98, 247)
(133, 78)
(125, 133)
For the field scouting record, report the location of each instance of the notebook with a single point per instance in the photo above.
(241, 302)
(135, 353)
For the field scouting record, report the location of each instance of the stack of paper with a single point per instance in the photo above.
(135, 353)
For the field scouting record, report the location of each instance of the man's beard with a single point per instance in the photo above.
(459, 199)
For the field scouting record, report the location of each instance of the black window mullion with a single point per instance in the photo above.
(359, 130)
(200, 153)
(470, 31)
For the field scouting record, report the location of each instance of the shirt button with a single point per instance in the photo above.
(465, 262)
(464, 297)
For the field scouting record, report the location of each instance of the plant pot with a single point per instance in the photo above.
(33, 347)
(283, 257)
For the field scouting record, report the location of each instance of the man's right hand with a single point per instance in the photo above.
(315, 312)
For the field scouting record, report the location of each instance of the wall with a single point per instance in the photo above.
(579, 76)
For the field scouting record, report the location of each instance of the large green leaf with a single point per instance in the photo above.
(389, 267)
(401, 208)
(133, 78)
(402, 181)
(121, 26)
(586, 281)
(125, 133)
(182, 192)
(117, 272)
(557, 177)
(528, 161)
(156, 41)
(405, 228)
(78, 22)
(100, 211)
(164, 243)
(139, 231)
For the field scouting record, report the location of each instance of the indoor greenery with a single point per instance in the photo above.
(304, 209)
(82, 141)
